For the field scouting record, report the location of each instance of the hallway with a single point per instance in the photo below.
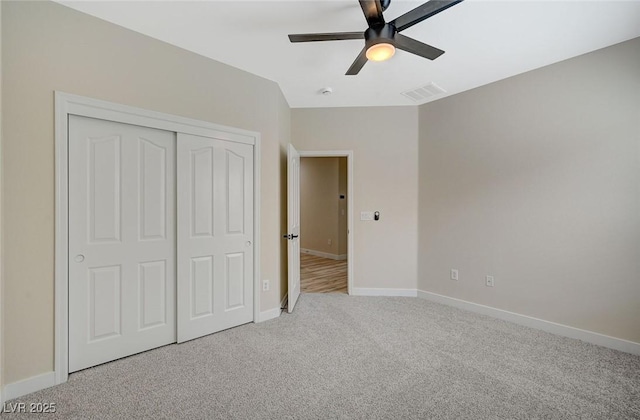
(322, 275)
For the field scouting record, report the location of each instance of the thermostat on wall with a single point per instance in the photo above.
(366, 216)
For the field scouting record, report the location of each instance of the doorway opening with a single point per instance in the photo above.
(324, 210)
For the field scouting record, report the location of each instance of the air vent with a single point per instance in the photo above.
(425, 92)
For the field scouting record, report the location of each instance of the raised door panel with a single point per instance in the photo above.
(105, 303)
(234, 281)
(201, 186)
(105, 192)
(235, 176)
(152, 292)
(152, 190)
(201, 286)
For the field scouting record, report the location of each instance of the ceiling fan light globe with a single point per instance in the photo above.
(381, 52)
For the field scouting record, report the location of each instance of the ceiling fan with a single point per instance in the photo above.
(382, 38)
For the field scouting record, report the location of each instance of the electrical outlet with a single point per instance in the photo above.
(454, 274)
(489, 281)
(265, 285)
(328, 241)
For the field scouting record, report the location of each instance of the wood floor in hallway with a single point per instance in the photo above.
(322, 275)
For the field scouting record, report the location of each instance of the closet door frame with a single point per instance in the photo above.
(68, 104)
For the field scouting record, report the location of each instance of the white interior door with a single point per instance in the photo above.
(215, 235)
(122, 242)
(293, 225)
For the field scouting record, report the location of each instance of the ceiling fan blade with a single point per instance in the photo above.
(357, 65)
(335, 36)
(421, 13)
(416, 47)
(372, 12)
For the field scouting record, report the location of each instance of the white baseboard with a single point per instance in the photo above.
(540, 324)
(269, 314)
(29, 385)
(341, 257)
(272, 313)
(361, 291)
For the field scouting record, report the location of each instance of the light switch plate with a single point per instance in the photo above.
(366, 216)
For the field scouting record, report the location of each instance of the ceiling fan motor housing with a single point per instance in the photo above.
(380, 34)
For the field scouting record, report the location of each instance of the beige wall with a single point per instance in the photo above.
(536, 180)
(385, 145)
(320, 204)
(47, 47)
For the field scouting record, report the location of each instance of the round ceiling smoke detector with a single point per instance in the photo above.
(326, 91)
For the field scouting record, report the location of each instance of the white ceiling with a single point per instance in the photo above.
(484, 40)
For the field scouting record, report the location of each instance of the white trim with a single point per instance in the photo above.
(362, 291)
(350, 205)
(540, 324)
(273, 313)
(67, 104)
(323, 254)
(61, 253)
(95, 108)
(257, 176)
(269, 314)
(29, 385)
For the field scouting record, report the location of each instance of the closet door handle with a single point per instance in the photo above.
(290, 236)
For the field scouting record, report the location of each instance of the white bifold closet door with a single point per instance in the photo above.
(215, 235)
(122, 240)
(160, 238)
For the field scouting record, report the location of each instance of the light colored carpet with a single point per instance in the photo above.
(343, 357)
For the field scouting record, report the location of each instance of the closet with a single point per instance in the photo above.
(160, 238)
